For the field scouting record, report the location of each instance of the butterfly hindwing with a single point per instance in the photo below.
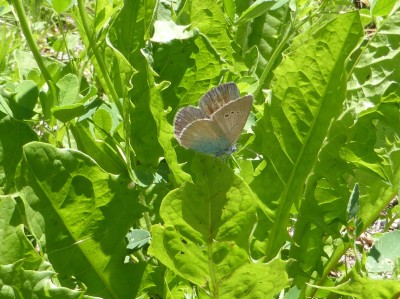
(205, 136)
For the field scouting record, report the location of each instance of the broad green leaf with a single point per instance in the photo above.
(383, 256)
(103, 120)
(364, 287)
(382, 7)
(99, 150)
(256, 281)
(13, 135)
(84, 213)
(361, 148)
(266, 33)
(190, 67)
(308, 91)
(205, 238)
(20, 262)
(5, 108)
(27, 66)
(19, 283)
(113, 69)
(69, 89)
(369, 131)
(164, 129)
(206, 16)
(15, 246)
(230, 9)
(68, 112)
(374, 75)
(25, 99)
(128, 40)
(61, 5)
(323, 212)
(68, 106)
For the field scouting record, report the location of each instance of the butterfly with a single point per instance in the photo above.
(215, 126)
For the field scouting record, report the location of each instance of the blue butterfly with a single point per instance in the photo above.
(215, 126)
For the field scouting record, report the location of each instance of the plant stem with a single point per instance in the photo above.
(21, 15)
(99, 58)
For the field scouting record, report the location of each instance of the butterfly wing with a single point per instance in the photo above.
(205, 136)
(184, 117)
(232, 117)
(216, 126)
(217, 97)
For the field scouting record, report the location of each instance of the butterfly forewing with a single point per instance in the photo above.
(232, 117)
(217, 97)
(186, 116)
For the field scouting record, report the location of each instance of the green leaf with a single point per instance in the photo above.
(256, 280)
(15, 246)
(384, 254)
(68, 112)
(164, 129)
(128, 41)
(207, 17)
(205, 238)
(382, 7)
(13, 135)
(258, 8)
(25, 98)
(17, 282)
(375, 76)
(352, 154)
(354, 203)
(84, 213)
(307, 94)
(138, 238)
(99, 150)
(69, 89)
(267, 32)
(5, 108)
(61, 5)
(230, 9)
(166, 31)
(363, 287)
(103, 122)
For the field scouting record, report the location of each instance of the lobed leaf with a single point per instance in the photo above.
(84, 213)
(308, 91)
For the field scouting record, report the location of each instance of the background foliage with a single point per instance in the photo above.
(98, 200)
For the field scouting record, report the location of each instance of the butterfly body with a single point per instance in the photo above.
(215, 126)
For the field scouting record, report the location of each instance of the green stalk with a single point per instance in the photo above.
(20, 12)
(278, 51)
(98, 57)
(110, 86)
